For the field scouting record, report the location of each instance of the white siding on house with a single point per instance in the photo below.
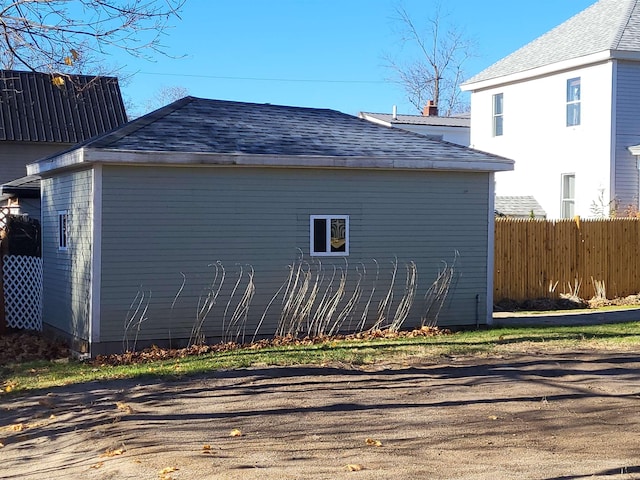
(67, 272)
(159, 223)
(543, 147)
(459, 136)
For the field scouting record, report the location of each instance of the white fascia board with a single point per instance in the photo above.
(489, 163)
(375, 120)
(74, 157)
(486, 162)
(571, 64)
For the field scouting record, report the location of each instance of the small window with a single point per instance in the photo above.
(573, 102)
(498, 117)
(329, 235)
(568, 195)
(63, 230)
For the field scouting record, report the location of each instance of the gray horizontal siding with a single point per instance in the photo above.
(160, 221)
(14, 157)
(627, 133)
(66, 274)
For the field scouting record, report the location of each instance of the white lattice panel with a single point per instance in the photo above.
(23, 292)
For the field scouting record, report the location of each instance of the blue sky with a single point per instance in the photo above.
(321, 53)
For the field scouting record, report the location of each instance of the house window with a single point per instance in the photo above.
(568, 195)
(329, 235)
(573, 102)
(497, 114)
(63, 230)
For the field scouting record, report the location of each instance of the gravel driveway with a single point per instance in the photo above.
(537, 416)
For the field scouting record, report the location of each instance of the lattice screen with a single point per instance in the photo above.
(23, 291)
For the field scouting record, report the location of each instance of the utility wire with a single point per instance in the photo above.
(257, 79)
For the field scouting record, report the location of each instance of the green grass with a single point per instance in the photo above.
(44, 375)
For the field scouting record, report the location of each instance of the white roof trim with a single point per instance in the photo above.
(132, 157)
(571, 64)
(373, 119)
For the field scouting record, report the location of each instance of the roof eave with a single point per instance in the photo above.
(490, 163)
(544, 70)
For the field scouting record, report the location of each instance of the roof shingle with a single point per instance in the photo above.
(608, 25)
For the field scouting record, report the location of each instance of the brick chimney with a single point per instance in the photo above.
(430, 109)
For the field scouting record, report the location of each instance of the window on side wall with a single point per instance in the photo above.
(329, 235)
(63, 230)
(568, 195)
(498, 115)
(573, 102)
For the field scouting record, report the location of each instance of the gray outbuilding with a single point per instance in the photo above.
(224, 220)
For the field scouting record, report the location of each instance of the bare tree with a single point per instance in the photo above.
(438, 71)
(71, 36)
(164, 96)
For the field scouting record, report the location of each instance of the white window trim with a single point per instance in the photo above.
(63, 235)
(563, 198)
(574, 102)
(497, 115)
(328, 218)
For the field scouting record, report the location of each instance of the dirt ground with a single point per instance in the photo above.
(539, 416)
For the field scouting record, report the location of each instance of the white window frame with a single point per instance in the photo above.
(498, 116)
(327, 219)
(63, 230)
(567, 201)
(574, 96)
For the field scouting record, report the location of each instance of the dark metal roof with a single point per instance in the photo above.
(34, 109)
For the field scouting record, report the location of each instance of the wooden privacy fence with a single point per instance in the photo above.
(544, 258)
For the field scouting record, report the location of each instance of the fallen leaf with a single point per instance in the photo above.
(493, 417)
(112, 453)
(123, 407)
(8, 388)
(164, 471)
(235, 433)
(18, 427)
(97, 465)
(354, 467)
(373, 443)
(1, 444)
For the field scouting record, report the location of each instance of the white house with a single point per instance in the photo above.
(565, 108)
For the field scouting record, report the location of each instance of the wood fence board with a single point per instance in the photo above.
(544, 258)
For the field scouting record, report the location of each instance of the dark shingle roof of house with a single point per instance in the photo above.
(608, 25)
(33, 109)
(522, 207)
(215, 126)
(419, 120)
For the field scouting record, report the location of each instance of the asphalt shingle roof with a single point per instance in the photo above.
(33, 109)
(608, 25)
(214, 126)
(519, 206)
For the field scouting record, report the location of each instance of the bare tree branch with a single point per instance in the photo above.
(69, 36)
(438, 71)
